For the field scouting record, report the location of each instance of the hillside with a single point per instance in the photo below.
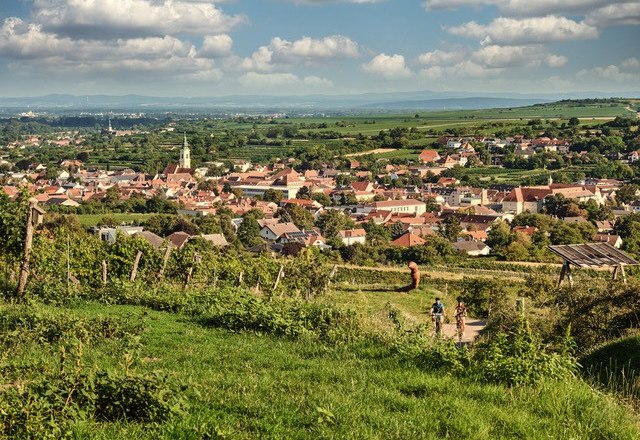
(244, 385)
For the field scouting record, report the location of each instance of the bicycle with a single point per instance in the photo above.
(438, 319)
(460, 325)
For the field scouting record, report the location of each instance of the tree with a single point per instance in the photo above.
(432, 205)
(397, 230)
(628, 228)
(112, 196)
(23, 164)
(574, 122)
(627, 193)
(273, 195)
(182, 224)
(450, 228)
(82, 156)
(249, 231)
(13, 220)
(331, 222)
(377, 235)
(499, 238)
(321, 198)
(304, 193)
(302, 218)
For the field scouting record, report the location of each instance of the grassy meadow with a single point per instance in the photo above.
(245, 386)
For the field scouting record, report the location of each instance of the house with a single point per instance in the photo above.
(110, 234)
(408, 239)
(153, 239)
(604, 226)
(178, 239)
(429, 156)
(273, 232)
(307, 238)
(404, 206)
(218, 240)
(472, 248)
(524, 199)
(613, 240)
(353, 236)
(62, 201)
(447, 181)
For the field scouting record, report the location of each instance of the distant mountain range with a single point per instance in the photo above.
(369, 102)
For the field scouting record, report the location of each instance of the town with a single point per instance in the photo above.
(358, 198)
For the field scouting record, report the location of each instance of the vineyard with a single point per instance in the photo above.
(125, 340)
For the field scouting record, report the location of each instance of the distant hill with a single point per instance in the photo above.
(456, 104)
(357, 103)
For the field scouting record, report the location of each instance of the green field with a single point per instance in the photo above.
(89, 220)
(244, 386)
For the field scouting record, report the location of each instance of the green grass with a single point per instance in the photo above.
(250, 386)
(625, 351)
(615, 366)
(373, 302)
(88, 220)
(245, 386)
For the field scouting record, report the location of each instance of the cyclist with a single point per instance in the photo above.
(460, 314)
(437, 315)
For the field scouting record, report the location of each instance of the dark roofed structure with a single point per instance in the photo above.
(592, 255)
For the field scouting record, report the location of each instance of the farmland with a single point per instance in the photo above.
(262, 139)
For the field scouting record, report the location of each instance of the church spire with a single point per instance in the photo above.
(185, 154)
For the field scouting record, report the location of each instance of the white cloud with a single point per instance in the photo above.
(439, 57)
(259, 60)
(34, 50)
(388, 67)
(305, 50)
(316, 81)
(631, 64)
(525, 8)
(214, 46)
(615, 15)
(516, 56)
(464, 69)
(255, 81)
(628, 72)
(326, 2)
(109, 18)
(507, 31)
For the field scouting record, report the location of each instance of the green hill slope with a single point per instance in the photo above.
(243, 385)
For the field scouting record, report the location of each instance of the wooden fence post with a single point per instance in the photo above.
(28, 244)
(165, 261)
(104, 272)
(279, 277)
(134, 270)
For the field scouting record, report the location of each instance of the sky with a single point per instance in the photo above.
(303, 47)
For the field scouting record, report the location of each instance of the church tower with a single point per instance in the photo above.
(185, 154)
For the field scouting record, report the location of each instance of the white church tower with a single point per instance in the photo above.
(185, 154)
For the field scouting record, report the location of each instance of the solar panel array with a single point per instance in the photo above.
(593, 255)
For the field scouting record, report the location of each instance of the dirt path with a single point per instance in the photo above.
(446, 275)
(472, 330)
(376, 151)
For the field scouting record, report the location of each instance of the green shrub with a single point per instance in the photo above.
(24, 323)
(520, 358)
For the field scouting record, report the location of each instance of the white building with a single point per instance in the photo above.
(185, 154)
(402, 206)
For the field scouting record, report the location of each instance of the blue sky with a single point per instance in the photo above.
(283, 47)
